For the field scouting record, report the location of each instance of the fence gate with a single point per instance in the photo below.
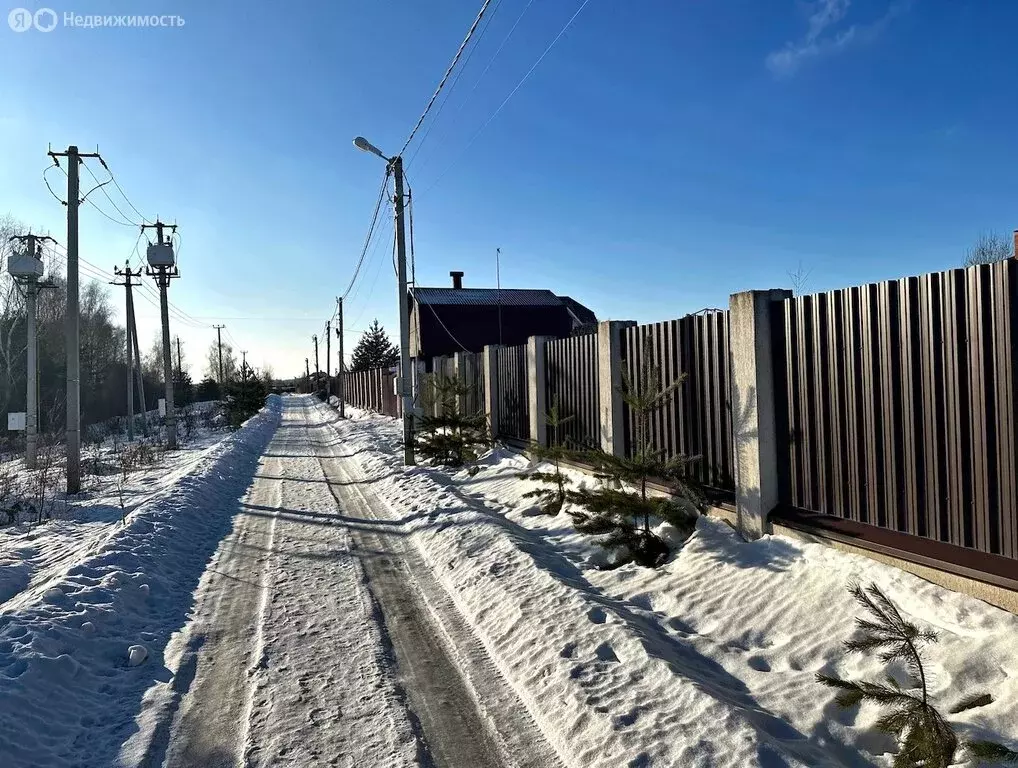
(514, 408)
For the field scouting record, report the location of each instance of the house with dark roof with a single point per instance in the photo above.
(448, 320)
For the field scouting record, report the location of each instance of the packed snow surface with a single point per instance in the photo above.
(706, 661)
(236, 600)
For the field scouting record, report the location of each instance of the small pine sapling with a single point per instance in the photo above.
(926, 738)
(991, 752)
(552, 498)
(451, 437)
(621, 515)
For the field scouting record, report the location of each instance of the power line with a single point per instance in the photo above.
(484, 71)
(123, 194)
(455, 80)
(102, 187)
(511, 94)
(441, 83)
(371, 231)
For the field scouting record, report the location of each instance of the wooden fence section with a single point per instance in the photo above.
(572, 384)
(896, 405)
(696, 419)
(514, 408)
(373, 390)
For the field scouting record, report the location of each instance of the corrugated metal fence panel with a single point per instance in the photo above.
(514, 408)
(572, 384)
(696, 419)
(897, 405)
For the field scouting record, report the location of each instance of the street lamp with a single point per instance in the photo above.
(405, 379)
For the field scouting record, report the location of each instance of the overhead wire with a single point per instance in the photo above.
(480, 77)
(371, 231)
(445, 77)
(512, 93)
(113, 178)
(455, 80)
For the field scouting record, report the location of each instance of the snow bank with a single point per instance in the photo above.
(68, 692)
(707, 661)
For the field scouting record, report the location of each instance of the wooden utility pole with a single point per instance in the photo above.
(180, 367)
(243, 354)
(128, 283)
(164, 271)
(73, 318)
(28, 275)
(307, 374)
(342, 372)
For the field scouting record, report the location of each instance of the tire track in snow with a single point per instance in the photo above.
(469, 713)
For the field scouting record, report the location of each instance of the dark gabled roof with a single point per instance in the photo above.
(507, 297)
(583, 315)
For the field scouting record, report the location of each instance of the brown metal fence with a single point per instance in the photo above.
(372, 390)
(572, 385)
(514, 409)
(896, 405)
(696, 419)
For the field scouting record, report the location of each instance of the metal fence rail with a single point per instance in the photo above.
(696, 419)
(572, 384)
(896, 405)
(514, 408)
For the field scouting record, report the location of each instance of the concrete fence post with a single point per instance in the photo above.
(753, 408)
(537, 390)
(609, 384)
(491, 392)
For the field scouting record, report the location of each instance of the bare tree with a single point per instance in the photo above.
(989, 248)
(229, 363)
(800, 278)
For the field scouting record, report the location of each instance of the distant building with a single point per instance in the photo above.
(448, 320)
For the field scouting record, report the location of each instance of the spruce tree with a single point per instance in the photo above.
(451, 438)
(245, 397)
(619, 508)
(552, 498)
(374, 350)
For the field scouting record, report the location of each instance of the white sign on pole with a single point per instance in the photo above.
(162, 406)
(16, 422)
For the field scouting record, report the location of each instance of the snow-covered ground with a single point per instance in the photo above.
(242, 616)
(707, 661)
(33, 555)
(72, 671)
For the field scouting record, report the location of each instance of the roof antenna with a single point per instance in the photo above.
(498, 291)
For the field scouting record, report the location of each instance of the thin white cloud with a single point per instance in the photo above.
(822, 37)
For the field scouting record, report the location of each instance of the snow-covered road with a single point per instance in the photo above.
(319, 638)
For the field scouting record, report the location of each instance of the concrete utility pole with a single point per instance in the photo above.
(219, 344)
(72, 340)
(163, 268)
(27, 270)
(317, 370)
(128, 283)
(342, 365)
(328, 358)
(395, 166)
(404, 319)
(139, 374)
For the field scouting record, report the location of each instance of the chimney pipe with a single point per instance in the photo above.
(457, 277)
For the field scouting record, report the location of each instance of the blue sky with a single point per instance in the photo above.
(663, 155)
